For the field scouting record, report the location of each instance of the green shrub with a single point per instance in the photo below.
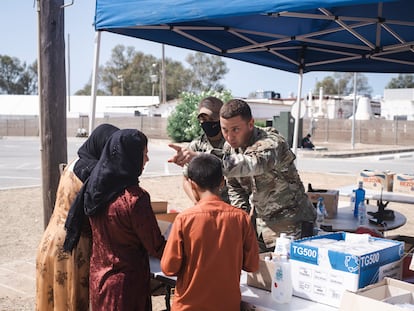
(260, 123)
(183, 125)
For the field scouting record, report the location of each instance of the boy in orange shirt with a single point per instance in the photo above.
(209, 244)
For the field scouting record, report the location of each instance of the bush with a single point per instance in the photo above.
(260, 123)
(183, 125)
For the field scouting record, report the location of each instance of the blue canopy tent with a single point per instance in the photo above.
(291, 35)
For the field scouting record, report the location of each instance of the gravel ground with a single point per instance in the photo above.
(21, 227)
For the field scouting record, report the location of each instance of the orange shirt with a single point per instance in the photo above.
(207, 248)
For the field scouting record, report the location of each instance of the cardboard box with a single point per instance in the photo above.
(159, 206)
(403, 183)
(324, 266)
(376, 180)
(407, 260)
(170, 217)
(330, 198)
(262, 278)
(381, 296)
(161, 212)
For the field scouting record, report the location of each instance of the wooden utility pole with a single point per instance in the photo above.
(52, 98)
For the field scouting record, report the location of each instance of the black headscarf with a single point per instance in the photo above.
(119, 167)
(89, 154)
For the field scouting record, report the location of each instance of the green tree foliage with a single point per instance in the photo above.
(207, 71)
(29, 80)
(129, 72)
(177, 78)
(183, 125)
(17, 77)
(86, 90)
(342, 84)
(328, 84)
(403, 81)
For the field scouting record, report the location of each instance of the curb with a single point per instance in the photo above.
(356, 153)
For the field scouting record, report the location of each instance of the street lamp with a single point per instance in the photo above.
(121, 80)
(154, 78)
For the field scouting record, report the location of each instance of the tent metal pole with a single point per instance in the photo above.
(163, 79)
(68, 74)
(353, 113)
(94, 83)
(39, 70)
(298, 114)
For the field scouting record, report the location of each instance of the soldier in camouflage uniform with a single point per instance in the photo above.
(211, 141)
(262, 177)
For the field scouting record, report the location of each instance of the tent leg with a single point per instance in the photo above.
(297, 117)
(353, 112)
(94, 82)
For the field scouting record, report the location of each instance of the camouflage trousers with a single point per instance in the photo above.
(267, 234)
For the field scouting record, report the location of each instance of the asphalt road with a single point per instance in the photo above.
(397, 163)
(20, 160)
(20, 164)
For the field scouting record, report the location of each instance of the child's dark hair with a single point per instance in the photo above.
(205, 170)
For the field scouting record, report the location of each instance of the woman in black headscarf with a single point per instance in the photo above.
(124, 228)
(61, 277)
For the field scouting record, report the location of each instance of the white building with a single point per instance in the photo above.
(398, 104)
(28, 105)
(268, 108)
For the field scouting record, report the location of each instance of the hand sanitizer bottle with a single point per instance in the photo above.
(282, 290)
(281, 280)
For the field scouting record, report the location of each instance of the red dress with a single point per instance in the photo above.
(124, 236)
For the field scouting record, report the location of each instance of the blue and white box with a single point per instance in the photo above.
(324, 266)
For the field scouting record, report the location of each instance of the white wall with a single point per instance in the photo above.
(398, 102)
(28, 105)
(267, 109)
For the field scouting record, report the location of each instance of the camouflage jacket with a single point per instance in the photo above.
(202, 144)
(263, 176)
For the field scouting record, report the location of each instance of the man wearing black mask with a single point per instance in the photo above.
(211, 141)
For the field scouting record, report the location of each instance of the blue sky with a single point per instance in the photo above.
(18, 37)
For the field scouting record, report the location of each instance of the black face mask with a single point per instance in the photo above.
(211, 128)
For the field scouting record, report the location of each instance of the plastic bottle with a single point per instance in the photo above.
(362, 214)
(282, 246)
(352, 199)
(282, 290)
(320, 213)
(359, 196)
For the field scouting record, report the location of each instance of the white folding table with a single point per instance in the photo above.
(253, 299)
(371, 194)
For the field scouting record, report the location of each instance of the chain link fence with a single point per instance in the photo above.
(376, 131)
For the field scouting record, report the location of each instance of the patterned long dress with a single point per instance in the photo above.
(123, 237)
(62, 279)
